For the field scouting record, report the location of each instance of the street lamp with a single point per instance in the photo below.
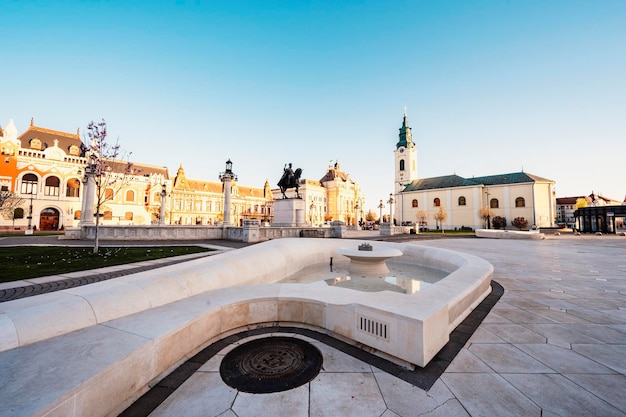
(30, 210)
(488, 212)
(356, 210)
(162, 209)
(380, 207)
(390, 208)
(226, 177)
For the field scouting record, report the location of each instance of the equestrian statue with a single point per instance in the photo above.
(290, 179)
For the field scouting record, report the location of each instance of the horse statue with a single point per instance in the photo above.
(290, 179)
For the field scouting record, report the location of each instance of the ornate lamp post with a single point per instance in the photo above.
(33, 190)
(488, 212)
(162, 209)
(381, 206)
(390, 209)
(226, 177)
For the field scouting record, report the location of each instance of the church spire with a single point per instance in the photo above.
(405, 137)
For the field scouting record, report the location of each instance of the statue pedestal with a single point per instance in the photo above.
(289, 212)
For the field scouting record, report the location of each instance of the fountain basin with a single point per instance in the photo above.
(122, 335)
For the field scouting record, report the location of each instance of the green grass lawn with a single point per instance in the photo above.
(39, 261)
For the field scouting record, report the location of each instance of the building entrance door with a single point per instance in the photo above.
(49, 219)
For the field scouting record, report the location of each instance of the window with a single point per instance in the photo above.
(35, 144)
(108, 215)
(77, 215)
(436, 202)
(130, 195)
(74, 150)
(414, 203)
(128, 215)
(29, 184)
(494, 203)
(52, 186)
(72, 188)
(402, 165)
(18, 213)
(156, 197)
(108, 194)
(520, 202)
(462, 201)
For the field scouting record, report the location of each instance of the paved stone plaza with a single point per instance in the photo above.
(554, 345)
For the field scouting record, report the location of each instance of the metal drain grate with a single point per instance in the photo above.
(271, 364)
(373, 327)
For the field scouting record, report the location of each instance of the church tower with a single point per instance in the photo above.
(405, 158)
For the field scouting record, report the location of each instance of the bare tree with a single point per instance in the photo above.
(109, 167)
(9, 201)
(422, 216)
(440, 216)
(485, 213)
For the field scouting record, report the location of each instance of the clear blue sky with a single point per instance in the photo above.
(491, 87)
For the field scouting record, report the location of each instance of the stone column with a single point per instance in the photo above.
(89, 194)
(226, 177)
(227, 189)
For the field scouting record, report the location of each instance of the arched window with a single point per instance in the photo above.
(520, 202)
(130, 195)
(52, 186)
(436, 202)
(402, 165)
(108, 194)
(29, 184)
(77, 215)
(414, 203)
(72, 188)
(494, 203)
(18, 213)
(462, 201)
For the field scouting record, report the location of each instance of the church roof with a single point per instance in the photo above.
(512, 178)
(451, 181)
(447, 181)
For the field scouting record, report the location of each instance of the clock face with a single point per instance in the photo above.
(401, 150)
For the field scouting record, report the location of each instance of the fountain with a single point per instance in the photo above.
(368, 260)
(124, 334)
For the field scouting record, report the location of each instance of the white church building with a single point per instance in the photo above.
(465, 200)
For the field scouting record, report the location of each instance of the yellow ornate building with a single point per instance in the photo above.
(202, 202)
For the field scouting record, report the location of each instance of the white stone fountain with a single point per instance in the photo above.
(368, 260)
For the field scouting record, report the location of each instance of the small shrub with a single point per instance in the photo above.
(520, 223)
(498, 222)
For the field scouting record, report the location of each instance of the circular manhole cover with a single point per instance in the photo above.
(271, 364)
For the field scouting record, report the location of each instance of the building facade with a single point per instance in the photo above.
(202, 202)
(45, 170)
(466, 202)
